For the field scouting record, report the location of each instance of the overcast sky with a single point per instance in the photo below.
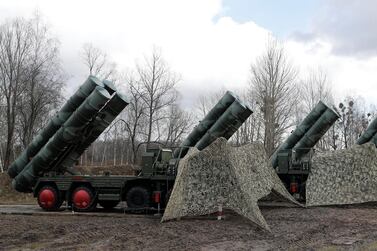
(212, 43)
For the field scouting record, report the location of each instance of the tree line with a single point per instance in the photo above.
(32, 80)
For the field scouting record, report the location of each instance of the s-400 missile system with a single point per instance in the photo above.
(46, 167)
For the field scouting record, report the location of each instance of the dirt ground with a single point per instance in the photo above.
(322, 228)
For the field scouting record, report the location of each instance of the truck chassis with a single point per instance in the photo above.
(83, 192)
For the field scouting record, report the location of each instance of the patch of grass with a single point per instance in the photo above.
(370, 246)
(10, 196)
(30, 246)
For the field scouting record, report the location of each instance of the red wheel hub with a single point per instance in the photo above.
(47, 198)
(82, 199)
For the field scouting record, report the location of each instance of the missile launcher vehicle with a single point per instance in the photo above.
(292, 159)
(46, 167)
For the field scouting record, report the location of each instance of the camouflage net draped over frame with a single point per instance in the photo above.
(234, 177)
(343, 177)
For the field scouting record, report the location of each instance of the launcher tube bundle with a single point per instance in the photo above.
(309, 131)
(370, 134)
(69, 133)
(222, 120)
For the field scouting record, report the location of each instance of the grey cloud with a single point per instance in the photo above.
(350, 26)
(303, 36)
(191, 90)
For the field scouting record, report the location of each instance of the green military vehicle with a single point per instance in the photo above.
(46, 167)
(292, 159)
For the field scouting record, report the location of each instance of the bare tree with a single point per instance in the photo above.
(178, 124)
(44, 80)
(353, 120)
(275, 92)
(314, 88)
(152, 114)
(2, 130)
(155, 84)
(98, 63)
(207, 101)
(28, 58)
(135, 115)
(14, 48)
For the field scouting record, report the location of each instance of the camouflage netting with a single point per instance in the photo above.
(343, 177)
(234, 177)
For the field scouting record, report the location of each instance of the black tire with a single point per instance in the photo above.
(58, 198)
(108, 204)
(92, 203)
(138, 197)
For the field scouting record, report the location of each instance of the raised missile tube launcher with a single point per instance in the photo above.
(46, 167)
(223, 120)
(369, 135)
(292, 159)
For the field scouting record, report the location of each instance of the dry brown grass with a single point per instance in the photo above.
(10, 196)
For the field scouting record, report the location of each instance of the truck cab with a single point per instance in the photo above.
(293, 169)
(156, 161)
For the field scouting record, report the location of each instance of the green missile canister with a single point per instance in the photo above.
(109, 86)
(203, 126)
(300, 131)
(107, 115)
(226, 125)
(369, 133)
(67, 135)
(55, 123)
(317, 131)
